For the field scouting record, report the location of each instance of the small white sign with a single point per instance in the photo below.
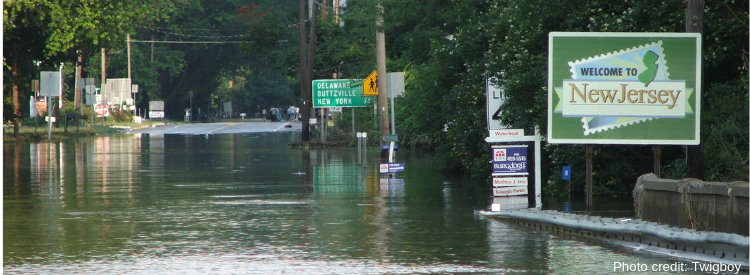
(334, 109)
(54, 119)
(524, 200)
(506, 133)
(511, 181)
(156, 114)
(510, 191)
(509, 203)
(384, 168)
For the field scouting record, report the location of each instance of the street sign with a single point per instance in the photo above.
(495, 99)
(50, 83)
(338, 93)
(101, 110)
(566, 173)
(388, 138)
(370, 85)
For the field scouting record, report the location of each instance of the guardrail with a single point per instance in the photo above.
(637, 234)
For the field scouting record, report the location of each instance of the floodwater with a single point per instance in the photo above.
(249, 204)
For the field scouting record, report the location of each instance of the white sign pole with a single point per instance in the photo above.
(537, 169)
(49, 119)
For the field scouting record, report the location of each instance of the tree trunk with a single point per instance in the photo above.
(79, 73)
(16, 103)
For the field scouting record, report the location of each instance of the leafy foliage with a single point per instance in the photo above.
(474, 40)
(446, 48)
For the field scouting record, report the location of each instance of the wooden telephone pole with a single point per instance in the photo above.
(694, 24)
(382, 74)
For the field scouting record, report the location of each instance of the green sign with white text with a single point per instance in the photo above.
(339, 93)
(624, 88)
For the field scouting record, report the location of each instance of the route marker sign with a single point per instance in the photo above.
(338, 93)
(370, 84)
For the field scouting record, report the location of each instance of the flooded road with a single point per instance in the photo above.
(248, 204)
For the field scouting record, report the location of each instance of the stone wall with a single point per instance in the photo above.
(692, 203)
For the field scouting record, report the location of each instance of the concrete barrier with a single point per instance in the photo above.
(693, 204)
(687, 244)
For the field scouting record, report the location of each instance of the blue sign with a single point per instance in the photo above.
(391, 167)
(509, 161)
(386, 147)
(566, 173)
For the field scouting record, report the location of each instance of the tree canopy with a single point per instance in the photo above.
(246, 52)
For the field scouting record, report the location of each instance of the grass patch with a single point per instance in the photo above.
(39, 134)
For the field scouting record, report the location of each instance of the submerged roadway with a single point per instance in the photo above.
(221, 128)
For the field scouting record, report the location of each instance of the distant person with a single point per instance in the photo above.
(296, 111)
(278, 114)
(291, 113)
(265, 115)
(274, 113)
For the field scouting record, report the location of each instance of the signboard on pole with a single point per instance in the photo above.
(49, 83)
(338, 93)
(101, 110)
(509, 160)
(370, 84)
(510, 181)
(566, 173)
(510, 191)
(396, 86)
(391, 167)
(495, 99)
(624, 88)
(119, 89)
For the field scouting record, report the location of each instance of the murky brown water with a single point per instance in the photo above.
(247, 204)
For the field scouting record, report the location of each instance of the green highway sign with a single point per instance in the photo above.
(339, 93)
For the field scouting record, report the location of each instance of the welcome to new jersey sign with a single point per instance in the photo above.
(624, 88)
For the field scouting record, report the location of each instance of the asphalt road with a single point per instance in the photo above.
(222, 128)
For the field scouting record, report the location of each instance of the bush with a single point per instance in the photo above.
(120, 115)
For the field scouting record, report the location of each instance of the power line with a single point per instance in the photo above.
(188, 42)
(181, 29)
(197, 42)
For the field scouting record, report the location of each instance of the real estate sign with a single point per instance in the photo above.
(509, 160)
(624, 88)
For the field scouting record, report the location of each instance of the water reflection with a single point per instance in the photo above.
(246, 203)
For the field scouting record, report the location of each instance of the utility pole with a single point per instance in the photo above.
(694, 24)
(104, 79)
(129, 76)
(129, 58)
(382, 74)
(79, 74)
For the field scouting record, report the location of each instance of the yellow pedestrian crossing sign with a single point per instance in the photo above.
(370, 85)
